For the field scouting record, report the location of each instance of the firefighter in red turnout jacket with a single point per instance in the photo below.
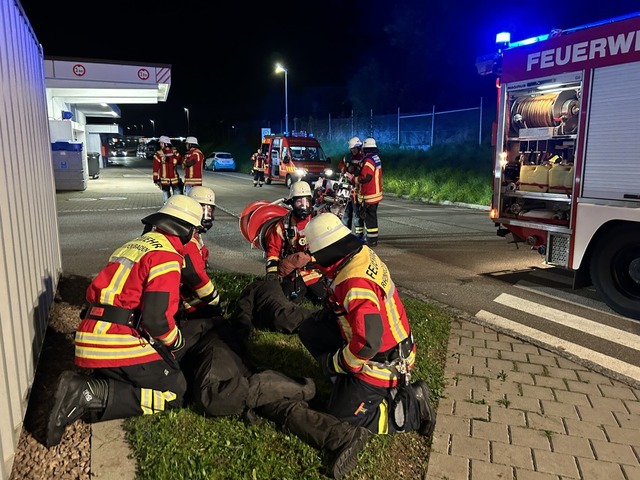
(369, 190)
(364, 343)
(192, 162)
(287, 252)
(165, 169)
(128, 335)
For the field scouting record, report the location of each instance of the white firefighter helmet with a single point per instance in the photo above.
(164, 139)
(369, 143)
(299, 189)
(192, 140)
(204, 195)
(324, 230)
(183, 208)
(354, 142)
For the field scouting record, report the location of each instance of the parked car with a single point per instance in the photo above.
(216, 161)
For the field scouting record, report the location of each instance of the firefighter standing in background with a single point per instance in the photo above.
(165, 171)
(192, 162)
(287, 254)
(369, 191)
(128, 334)
(363, 343)
(258, 160)
(349, 165)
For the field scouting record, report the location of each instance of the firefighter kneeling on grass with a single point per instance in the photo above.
(363, 340)
(128, 334)
(287, 252)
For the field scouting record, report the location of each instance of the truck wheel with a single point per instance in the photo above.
(288, 181)
(615, 270)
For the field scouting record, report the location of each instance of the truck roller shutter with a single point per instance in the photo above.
(612, 154)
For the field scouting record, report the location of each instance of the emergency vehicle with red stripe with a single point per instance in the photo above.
(292, 157)
(566, 173)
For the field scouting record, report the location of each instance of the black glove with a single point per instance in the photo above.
(326, 365)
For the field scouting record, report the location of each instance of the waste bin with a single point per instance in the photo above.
(93, 160)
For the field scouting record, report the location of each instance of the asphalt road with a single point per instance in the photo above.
(445, 253)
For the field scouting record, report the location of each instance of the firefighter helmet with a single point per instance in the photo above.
(191, 140)
(324, 230)
(204, 195)
(164, 139)
(183, 208)
(329, 239)
(300, 190)
(179, 216)
(354, 143)
(369, 143)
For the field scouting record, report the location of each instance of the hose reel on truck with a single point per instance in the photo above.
(557, 110)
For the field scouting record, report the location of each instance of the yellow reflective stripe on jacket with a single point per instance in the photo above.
(360, 294)
(120, 346)
(206, 289)
(130, 254)
(163, 268)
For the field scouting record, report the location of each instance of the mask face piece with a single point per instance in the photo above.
(208, 217)
(301, 207)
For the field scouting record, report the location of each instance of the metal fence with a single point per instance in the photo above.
(407, 130)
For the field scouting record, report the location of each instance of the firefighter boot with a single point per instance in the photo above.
(270, 386)
(321, 431)
(75, 395)
(427, 413)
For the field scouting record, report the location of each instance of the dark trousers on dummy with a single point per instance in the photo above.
(264, 305)
(318, 429)
(380, 410)
(221, 383)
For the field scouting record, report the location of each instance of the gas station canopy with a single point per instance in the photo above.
(95, 87)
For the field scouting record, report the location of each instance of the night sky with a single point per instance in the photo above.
(410, 54)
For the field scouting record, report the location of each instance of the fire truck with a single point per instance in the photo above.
(292, 157)
(566, 174)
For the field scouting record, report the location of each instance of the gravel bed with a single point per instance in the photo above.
(71, 458)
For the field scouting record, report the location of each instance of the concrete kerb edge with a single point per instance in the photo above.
(519, 336)
(444, 202)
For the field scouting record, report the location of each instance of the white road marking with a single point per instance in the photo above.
(568, 297)
(579, 351)
(569, 320)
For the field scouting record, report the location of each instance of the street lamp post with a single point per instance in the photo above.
(280, 68)
(187, 112)
(153, 125)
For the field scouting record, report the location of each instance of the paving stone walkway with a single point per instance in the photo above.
(512, 410)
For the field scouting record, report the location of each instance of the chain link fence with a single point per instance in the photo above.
(407, 130)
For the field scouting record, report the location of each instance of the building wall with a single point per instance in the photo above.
(30, 260)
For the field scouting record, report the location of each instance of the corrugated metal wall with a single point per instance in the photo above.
(30, 262)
